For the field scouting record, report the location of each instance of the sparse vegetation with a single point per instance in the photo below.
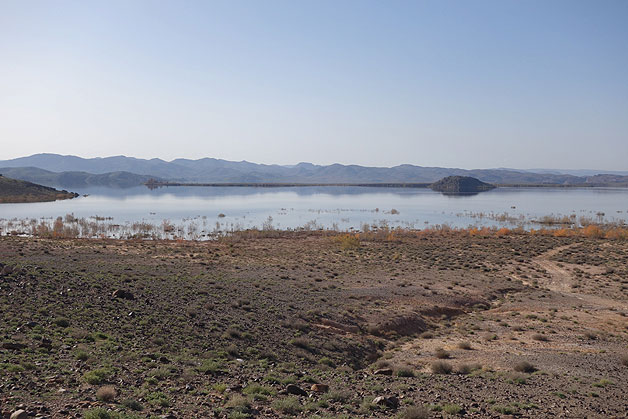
(524, 366)
(234, 321)
(441, 367)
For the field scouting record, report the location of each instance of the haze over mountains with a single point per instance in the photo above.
(121, 171)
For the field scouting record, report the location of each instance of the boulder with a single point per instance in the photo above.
(387, 401)
(19, 414)
(320, 388)
(296, 390)
(383, 371)
(127, 295)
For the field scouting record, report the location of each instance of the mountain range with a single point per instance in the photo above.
(122, 171)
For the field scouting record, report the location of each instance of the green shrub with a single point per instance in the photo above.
(101, 413)
(452, 409)
(96, 377)
(288, 406)
(158, 398)
(211, 366)
(62, 322)
(404, 372)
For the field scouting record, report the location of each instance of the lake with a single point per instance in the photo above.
(196, 212)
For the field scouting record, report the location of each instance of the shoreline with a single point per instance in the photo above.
(426, 185)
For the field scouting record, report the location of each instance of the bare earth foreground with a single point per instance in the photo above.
(437, 324)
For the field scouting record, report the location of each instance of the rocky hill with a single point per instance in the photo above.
(73, 179)
(461, 185)
(14, 191)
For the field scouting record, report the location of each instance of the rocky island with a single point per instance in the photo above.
(460, 185)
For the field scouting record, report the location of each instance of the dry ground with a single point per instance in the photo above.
(223, 328)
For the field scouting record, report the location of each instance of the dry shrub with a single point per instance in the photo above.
(106, 393)
(415, 412)
(348, 241)
(440, 353)
(590, 335)
(592, 232)
(465, 369)
(539, 337)
(441, 367)
(563, 232)
(624, 360)
(502, 232)
(464, 345)
(524, 366)
(617, 234)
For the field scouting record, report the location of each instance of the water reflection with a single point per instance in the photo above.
(342, 207)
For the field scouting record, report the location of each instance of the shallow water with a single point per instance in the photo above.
(344, 208)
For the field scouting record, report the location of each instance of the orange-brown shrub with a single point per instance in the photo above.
(592, 231)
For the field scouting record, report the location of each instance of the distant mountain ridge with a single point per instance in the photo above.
(136, 171)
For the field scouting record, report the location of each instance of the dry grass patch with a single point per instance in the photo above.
(441, 367)
(106, 393)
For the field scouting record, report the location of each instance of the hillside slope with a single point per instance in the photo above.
(14, 191)
(75, 179)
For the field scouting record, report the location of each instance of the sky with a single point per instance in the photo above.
(470, 84)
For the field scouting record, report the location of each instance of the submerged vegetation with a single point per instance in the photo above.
(100, 227)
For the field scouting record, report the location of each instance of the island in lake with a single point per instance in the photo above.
(460, 185)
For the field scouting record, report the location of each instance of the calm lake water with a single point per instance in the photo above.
(197, 209)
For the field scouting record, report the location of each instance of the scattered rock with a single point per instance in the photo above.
(296, 390)
(45, 343)
(7, 270)
(320, 388)
(127, 295)
(14, 346)
(383, 371)
(19, 414)
(388, 401)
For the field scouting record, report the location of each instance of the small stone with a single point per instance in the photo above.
(296, 390)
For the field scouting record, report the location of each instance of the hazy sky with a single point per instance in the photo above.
(470, 84)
